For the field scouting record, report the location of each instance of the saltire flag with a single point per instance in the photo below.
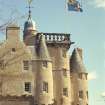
(74, 5)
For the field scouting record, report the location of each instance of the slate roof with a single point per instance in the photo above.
(76, 62)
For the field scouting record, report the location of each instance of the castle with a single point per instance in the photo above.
(39, 70)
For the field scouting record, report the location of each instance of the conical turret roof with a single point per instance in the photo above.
(42, 49)
(76, 62)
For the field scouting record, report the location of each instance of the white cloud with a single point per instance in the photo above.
(98, 3)
(92, 75)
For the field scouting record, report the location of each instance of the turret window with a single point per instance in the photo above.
(45, 64)
(65, 91)
(64, 53)
(26, 65)
(80, 75)
(45, 87)
(65, 72)
(27, 86)
(80, 94)
(86, 75)
(87, 94)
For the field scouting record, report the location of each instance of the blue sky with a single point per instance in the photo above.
(87, 31)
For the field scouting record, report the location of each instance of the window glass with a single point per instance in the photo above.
(45, 87)
(45, 64)
(65, 91)
(64, 53)
(87, 94)
(80, 75)
(28, 86)
(65, 72)
(26, 65)
(80, 94)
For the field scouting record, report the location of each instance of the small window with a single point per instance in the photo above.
(80, 94)
(28, 86)
(45, 87)
(87, 94)
(64, 53)
(45, 64)
(2, 65)
(65, 91)
(13, 49)
(86, 75)
(65, 72)
(26, 65)
(80, 75)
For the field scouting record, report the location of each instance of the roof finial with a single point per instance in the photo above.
(29, 3)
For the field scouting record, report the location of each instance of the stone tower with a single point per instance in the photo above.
(58, 47)
(44, 76)
(78, 79)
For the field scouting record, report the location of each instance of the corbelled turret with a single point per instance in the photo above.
(78, 79)
(44, 85)
(77, 62)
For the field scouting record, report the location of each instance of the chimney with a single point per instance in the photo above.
(12, 32)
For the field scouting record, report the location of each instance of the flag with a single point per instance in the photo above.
(74, 5)
(29, 1)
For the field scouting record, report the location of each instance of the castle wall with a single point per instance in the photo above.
(61, 74)
(8, 100)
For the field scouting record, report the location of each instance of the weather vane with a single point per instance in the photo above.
(29, 3)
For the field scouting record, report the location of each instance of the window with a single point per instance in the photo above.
(86, 76)
(26, 65)
(80, 75)
(45, 64)
(65, 72)
(13, 49)
(2, 65)
(65, 91)
(28, 86)
(87, 94)
(80, 94)
(64, 53)
(45, 87)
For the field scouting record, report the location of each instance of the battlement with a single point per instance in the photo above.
(56, 37)
(53, 39)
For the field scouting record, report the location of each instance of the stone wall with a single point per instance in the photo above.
(14, 100)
